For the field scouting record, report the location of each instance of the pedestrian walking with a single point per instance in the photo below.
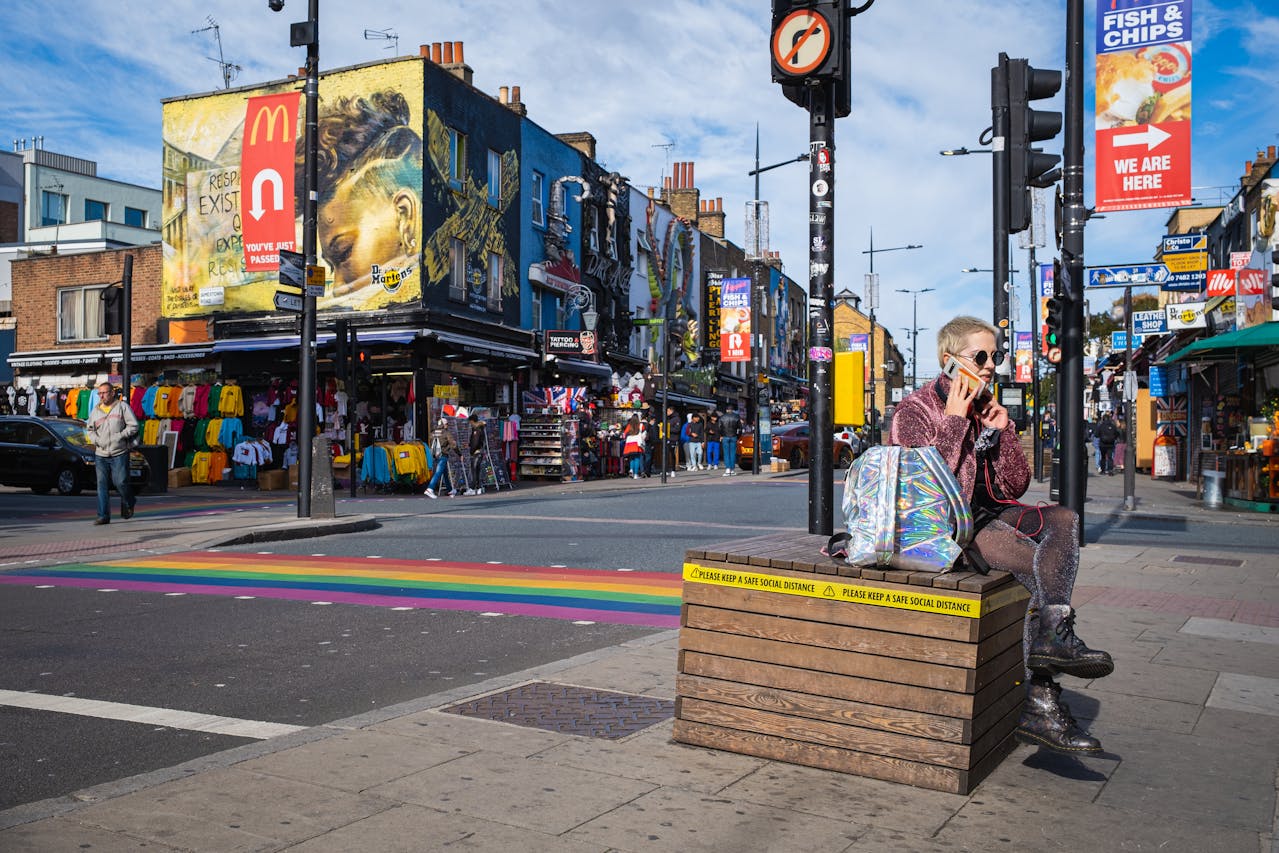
(444, 448)
(670, 437)
(634, 439)
(712, 441)
(1107, 437)
(1038, 545)
(696, 443)
(477, 446)
(113, 428)
(730, 427)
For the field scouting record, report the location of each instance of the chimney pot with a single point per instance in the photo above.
(719, 204)
(515, 94)
(691, 182)
(436, 52)
(1247, 167)
(683, 176)
(457, 52)
(501, 94)
(1270, 153)
(424, 50)
(302, 72)
(448, 53)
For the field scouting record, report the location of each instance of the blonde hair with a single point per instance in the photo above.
(952, 336)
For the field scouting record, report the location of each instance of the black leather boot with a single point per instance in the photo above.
(1055, 648)
(1046, 721)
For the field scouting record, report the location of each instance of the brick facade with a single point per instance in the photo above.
(10, 227)
(36, 281)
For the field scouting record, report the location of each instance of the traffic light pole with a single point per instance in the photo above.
(999, 188)
(126, 330)
(306, 350)
(821, 231)
(1071, 373)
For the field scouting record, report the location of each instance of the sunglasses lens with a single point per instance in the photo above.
(998, 357)
(980, 358)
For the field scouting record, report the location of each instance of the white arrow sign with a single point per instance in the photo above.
(255, 195)
(1150, 137)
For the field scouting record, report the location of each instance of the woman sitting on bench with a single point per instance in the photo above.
(1038, 545)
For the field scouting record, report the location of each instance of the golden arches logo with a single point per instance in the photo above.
(280, 112)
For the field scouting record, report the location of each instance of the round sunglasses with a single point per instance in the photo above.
(979, 358)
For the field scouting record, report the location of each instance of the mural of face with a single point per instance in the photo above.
(358, 229)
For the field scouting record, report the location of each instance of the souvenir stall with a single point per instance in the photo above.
(550, 436)
(625, 398)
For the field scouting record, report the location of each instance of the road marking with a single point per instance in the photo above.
(167, 717)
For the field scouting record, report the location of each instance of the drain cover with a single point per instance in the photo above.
(1207, 561)
(570, 710)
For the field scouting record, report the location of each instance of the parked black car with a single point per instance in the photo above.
(54, 453)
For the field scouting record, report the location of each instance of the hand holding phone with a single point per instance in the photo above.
(973, 386)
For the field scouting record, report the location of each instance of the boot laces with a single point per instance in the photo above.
(1066, 630)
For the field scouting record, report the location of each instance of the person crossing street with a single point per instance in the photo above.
(113, 428)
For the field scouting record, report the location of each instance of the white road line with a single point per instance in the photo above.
(189, 720)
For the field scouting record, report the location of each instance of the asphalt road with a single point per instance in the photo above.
(297, 663)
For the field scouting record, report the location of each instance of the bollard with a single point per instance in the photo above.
(322, 501)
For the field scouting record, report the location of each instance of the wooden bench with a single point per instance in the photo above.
(910, 677)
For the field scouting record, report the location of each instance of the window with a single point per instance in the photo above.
(134, 217)
(539, 195)
(495, 179)
(457, 159)
(80, 314)
(495, 282)
(593, 228)
(457, 270)
(53, 208)
(95, 210)
(537, 309)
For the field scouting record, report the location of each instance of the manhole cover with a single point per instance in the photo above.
(568, 709)
(1208, 561)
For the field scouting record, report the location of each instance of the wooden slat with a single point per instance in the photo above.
(939, 625)
(824, 635)
(820, 707)
(985, 583)
(823, 757)
(898, 576)
(1012, 699)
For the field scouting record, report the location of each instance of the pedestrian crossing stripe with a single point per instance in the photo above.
(876, 596)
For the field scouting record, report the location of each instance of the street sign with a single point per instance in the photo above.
(649, 321)
(1119, 340)
(292, 265)
(1127, 275)
(1185, 261)
(1184, 281)
(1239, 260)
(1186, 315)
(315, 281)
(285, 301)
(1149, 322)
(1186, 243)
(801, 42)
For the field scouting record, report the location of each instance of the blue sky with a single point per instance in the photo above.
(88, 76)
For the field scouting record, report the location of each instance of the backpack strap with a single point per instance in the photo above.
(960, 511)
(886, 497)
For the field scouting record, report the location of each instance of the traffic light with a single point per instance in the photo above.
(341, 341)
(1054, 321)
(810, 42)
(363, 365)
(1029, 166)
(113, 310)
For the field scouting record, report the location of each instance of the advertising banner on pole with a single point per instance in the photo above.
(1142, 109)
(266, 165)
(735, 320)
(1024, 353)
(1047, 287)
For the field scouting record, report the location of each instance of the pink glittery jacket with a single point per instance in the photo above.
(921, 421)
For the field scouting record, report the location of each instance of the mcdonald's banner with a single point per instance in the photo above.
(266, 170)
(229, 196)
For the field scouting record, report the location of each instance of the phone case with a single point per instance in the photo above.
(958, 373)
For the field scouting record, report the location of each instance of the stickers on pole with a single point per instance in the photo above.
(1142, 110)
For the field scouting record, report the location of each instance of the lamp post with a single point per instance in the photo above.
(758, 296)
(307, 33)
(914, 328)
(872, 302)
(582, 298)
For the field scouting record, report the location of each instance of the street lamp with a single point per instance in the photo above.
(582, 298)
(307, 33)
(872, 302)
(914, 328)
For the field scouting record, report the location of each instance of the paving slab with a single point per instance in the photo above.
(651, 756)
(416, 829)
(68, 834)
(1181, 683)
(651, 672)
(1224, 629)
(231, 810)
(448, 729)
(1204, 653)
(1068, 777)
(355, 761)
(531, 794)
(1000, 818)
(674, 821)
(1250, 693)
(1118, 709)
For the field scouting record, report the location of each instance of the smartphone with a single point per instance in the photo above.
(959, 373)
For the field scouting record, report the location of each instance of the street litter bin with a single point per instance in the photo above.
(1213, 484)
(157, 456)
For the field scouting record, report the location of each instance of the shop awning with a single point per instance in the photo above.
(150, 353)
(267, 342)
(684, 400)
(1223, 346)
(583, 368)
(466, 343)
(56, 358)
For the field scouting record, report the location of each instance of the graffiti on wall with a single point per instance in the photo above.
(670, 271)
(369, 224)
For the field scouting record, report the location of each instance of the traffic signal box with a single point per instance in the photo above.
(113, 310)
(1054, 319)
(1029, 166)
(810, 44)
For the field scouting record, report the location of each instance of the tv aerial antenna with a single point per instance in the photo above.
(666, 146)
(384, 35)
(229, 69)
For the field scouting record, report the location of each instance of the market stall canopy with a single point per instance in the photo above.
(1223, 346)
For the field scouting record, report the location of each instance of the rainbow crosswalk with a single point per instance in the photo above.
(597, 595)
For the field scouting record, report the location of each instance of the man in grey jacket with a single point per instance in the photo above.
(112, 427)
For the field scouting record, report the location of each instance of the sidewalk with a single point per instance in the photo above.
(1190, 720)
